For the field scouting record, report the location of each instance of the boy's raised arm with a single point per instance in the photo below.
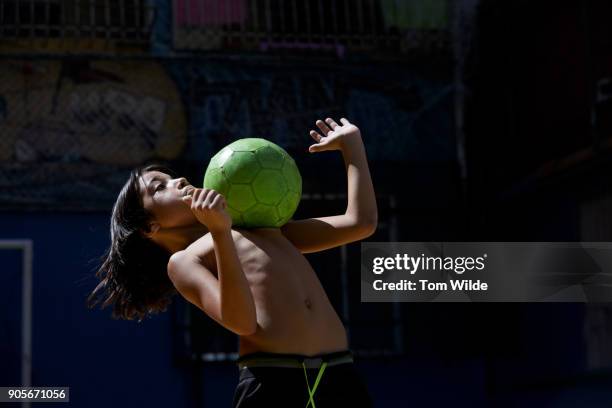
(361, 216)
(226, 298)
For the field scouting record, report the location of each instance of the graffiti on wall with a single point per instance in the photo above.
(403, 116)
(72, 129)
(81, 123)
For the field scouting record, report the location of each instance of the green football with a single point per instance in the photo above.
(259, 180)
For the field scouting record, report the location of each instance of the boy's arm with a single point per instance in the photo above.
(227, 299)
(361, 216)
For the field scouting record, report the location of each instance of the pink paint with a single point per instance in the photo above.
(208, 13)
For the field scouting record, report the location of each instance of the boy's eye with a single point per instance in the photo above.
(160, 186)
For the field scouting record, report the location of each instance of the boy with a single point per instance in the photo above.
(255, 282)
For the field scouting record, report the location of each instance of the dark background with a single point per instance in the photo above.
(483, 120)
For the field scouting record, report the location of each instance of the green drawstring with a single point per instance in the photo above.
(316, 384)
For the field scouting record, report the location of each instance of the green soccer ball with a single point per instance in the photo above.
(259, 180)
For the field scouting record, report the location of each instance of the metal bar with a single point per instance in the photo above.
(26, 375)
(123, 27)
(150, 10)
(32, 16)
(347, 20)
(186, 4)
(17, 18)
(77, 18)
(242, 8)
(459, 92)
(344, 287)
(47, 17)
(375, 353)
(268, 18)
(308, 21)
(334, 15)
(255, 16)
(220, 356)
(187, 333)
(317, 196)
(26, 305)
(137, 19)
(360, 15)
(15, 243)
(398, 329)
(363, 353)
(92, 18)
(372, 17)
(107, 18)
(321, 20)
(282, 16)
(295, 21)
(201, 13)
(215, 15)
(588, 76)
(63, 23)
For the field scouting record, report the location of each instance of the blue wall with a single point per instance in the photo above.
(104, 361)
(108, 362)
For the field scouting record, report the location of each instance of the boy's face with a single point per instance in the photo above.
(162, 196)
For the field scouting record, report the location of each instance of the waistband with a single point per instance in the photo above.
(264, 359)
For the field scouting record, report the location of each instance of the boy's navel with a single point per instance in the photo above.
(308, 303)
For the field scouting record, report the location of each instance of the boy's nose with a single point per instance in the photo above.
(180, 182)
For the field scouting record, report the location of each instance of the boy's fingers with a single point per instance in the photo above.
(222, 201)
(345, 121)
(315, 136)
(321, 125)
(194, 197)
(210, 198)
(332, 123)
(202, 197)
(217, 202)
(319, 147)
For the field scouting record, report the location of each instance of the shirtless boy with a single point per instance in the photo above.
(168, 237)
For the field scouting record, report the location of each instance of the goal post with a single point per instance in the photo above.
(26, 248)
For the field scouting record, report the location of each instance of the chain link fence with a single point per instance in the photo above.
(84, 97)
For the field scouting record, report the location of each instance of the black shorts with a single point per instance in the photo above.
(339, 385)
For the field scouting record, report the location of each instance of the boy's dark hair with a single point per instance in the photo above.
(133, 275)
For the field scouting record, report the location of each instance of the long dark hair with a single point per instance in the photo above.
(133, 275)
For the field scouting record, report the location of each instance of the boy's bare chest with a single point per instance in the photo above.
(260, 253)
(272, 265)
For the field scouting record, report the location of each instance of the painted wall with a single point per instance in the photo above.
(73, 128)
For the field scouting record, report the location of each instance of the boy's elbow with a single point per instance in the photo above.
(367, 226)
(245, 333)
(244, 329)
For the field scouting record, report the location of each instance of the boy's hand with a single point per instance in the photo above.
(333, 135)
(209, 208)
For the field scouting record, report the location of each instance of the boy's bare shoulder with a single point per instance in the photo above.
(201, 249)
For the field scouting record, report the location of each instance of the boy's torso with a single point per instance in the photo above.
(294, 314)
